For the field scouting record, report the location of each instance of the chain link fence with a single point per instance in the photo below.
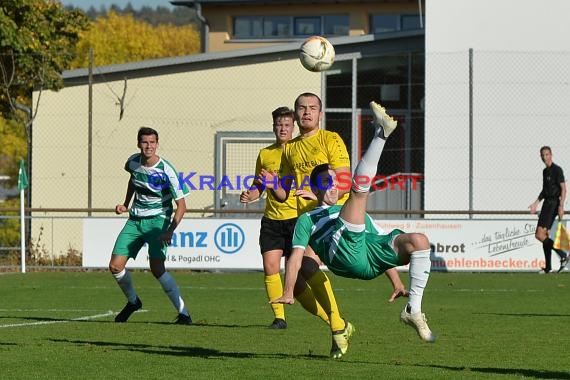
(471, 127)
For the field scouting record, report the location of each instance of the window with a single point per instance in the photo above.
(276, 27)
(336, 25)
(307, 26)
(260, 27)
(411, 22)
(383, 23)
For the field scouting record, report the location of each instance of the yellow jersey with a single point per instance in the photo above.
(269, 158)
(302, 154)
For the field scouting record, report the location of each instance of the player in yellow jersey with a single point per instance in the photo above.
(314, 146)
(311, 148)
(278, 222)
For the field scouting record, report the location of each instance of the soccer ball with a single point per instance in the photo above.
(316, 54)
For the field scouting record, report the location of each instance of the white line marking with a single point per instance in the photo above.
(86, 318)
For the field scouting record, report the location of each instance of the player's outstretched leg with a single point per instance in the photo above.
(368, 164)
(383, 122)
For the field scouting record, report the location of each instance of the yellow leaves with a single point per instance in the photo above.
(122, 38)
(13, 147)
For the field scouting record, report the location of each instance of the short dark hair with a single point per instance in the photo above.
(309, 94)
(546, 147)
(317, 170)
(282, 112)
(145, 131)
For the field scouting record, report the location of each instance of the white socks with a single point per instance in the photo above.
(171, 289)
(420, 266)
(367, 166)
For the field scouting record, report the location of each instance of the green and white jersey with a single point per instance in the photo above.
(156, 187)
(362, 254)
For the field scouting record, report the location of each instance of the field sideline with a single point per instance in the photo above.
(56, 325)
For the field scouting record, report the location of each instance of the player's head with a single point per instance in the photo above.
(308, 111)
(323, 184)
(147, 141)
(146, 131)
(546, 155)
(283, 124)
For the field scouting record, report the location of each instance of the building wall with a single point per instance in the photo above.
(220, 19)
(187, 109)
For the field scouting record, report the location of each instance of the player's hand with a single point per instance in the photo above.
(244, 197)
(166, 238)
(284, 299)
(305, 194)
(533, 207)
(119, 209)
(267, 178)
(398, 292)
(560, 212)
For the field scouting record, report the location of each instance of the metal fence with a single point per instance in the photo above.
(471, 127)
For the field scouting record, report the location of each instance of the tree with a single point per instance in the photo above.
(37, 43)
(12, 149)
(119, 39)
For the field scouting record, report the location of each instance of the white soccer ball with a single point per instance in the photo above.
(317, 54)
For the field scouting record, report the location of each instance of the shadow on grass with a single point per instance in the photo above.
(532, 373)
(198, 352)
(211, 353)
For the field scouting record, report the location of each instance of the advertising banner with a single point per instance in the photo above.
(196, 244)
(212, 244)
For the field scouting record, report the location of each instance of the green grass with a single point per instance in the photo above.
(489, 326)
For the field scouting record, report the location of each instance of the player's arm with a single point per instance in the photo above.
(282, 183)
(256, 188)
(291, 272)
(176, 219)
(534, 205)
(274, 184)
(119, 209)
(399, 288)
(300, 242)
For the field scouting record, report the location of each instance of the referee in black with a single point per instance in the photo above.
(554, 194)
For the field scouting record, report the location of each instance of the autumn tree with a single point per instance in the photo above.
(37, 42)
(12, 149)
(119, 39)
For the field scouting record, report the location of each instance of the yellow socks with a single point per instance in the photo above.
(274, 289)
(309, 303)
(323, 293)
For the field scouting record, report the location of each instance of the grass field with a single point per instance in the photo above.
(60, 325)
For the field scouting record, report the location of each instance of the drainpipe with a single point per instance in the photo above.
(205, 28)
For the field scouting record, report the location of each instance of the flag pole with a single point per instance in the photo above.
(22, 231)
(22, 185)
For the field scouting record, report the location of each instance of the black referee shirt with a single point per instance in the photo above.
(552, 177)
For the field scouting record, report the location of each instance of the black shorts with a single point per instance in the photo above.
(276, 234)
(548, 212)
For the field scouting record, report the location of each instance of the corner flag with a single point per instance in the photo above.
(22, 184)
(22, 176)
